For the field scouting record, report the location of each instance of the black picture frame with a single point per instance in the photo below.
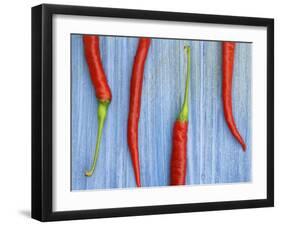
(42, 111)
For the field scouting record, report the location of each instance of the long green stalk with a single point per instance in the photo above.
(183, 115)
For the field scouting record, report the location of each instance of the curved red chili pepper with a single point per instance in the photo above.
(227, 74)
(92, 54)
(179, 144)
(103, 93)
(135, 104)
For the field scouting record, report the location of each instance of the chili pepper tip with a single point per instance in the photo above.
(244, 147)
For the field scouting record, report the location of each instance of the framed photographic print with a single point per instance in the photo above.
(147, 112)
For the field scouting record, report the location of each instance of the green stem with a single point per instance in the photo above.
(102, 112)
(183, 116)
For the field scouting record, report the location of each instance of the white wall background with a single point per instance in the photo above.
(15, 113)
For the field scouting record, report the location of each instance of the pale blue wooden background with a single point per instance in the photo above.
(214, 156)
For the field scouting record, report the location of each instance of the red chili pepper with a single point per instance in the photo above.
(103, 93)
(179, 144)
(92, 54)
(179, 153)
(135, 104)
(227, 73)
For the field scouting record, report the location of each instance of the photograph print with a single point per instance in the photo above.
(152, 112)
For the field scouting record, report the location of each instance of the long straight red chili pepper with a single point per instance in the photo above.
(228, 49)
(103, 93)
(135, 104)
(179, 143)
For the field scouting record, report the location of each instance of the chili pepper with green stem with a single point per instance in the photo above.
(178, 168)
(102, 89)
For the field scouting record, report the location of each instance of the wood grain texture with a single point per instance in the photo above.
(214, 156)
